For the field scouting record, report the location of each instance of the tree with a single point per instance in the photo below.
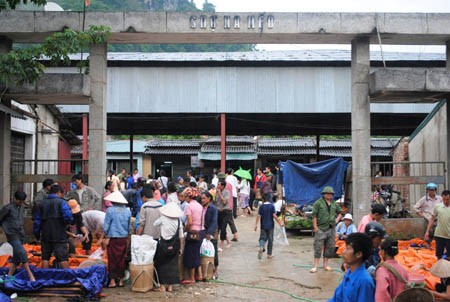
(13, 3)
(23, 65)
(209, 7)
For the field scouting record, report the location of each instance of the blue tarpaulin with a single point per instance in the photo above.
(92, 279)
(303, 183)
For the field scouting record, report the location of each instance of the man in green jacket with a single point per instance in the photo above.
(325, 210)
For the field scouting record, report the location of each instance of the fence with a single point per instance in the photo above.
(26, 173)
(409, 178)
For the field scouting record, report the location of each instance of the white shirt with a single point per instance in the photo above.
(168, 226)
(244, 187)
(215, 181)
(164, 180)
(93, 220)
(232, 180)
(173, 197)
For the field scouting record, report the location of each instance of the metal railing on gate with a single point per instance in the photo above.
(409, 178)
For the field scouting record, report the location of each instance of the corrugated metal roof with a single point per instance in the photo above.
(293, 55)
(286, 152)
(381, 147)
(231, 139)
(285, 142)
(155, 143)
(230, 149)
(172, 151)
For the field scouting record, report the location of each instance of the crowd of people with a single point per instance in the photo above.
(371, 271)
(178, 215)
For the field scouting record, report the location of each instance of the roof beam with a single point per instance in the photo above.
(409, 85)
(53, 89)
(198, 27)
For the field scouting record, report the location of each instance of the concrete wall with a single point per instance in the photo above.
(146, 165)
(430, 144)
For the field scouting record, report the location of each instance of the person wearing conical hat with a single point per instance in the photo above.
(441, 269)
(326, 214)
(167, 264)
(116, 228)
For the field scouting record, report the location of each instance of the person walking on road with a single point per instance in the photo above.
(324, 213)
(267, 215)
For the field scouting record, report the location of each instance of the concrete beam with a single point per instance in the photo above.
(5, 139)
(361, 190)
(97, 118)
(409, 85)
(173, 27)
(61, 89)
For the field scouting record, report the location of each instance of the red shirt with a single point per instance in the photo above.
(387, 285)
(259, 179)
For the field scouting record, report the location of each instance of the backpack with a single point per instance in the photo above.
(170, 247)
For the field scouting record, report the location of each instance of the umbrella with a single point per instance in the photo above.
(243, 173)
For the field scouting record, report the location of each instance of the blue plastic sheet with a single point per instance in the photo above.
(303, 183)
(91, 278)
(4, 298)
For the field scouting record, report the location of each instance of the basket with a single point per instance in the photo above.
(415, 294)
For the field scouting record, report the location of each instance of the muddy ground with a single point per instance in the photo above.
(242, 277)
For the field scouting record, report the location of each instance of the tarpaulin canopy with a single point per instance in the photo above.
(92, 279)
(303, 183)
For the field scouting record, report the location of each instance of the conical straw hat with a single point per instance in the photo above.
(441, 269)
(171, 210)
(116, 197)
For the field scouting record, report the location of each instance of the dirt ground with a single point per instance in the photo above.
(242, 277)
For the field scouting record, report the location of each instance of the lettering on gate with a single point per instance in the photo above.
(213, 22)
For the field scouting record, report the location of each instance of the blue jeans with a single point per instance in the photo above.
(19, 254)
(266, 236)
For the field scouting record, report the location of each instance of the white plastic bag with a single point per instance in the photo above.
(143, 249)
(207, 249)
(97, 254)
(280, 236)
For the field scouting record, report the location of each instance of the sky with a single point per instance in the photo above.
(400, 6)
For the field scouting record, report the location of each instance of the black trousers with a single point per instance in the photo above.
(235, 207)
(226, 218)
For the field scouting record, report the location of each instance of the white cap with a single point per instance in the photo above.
(348, 216)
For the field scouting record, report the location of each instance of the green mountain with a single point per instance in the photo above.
(154, 5)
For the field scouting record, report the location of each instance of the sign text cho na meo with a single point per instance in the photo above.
(212, 22)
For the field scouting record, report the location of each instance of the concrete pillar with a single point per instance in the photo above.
(448, 120)
(97, 117)
(360, 127)
(5, 140)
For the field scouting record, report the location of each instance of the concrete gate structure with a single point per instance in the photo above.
(358, 29)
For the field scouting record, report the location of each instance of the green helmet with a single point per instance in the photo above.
(328, 189)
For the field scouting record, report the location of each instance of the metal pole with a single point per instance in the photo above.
(317, 147)
(131, 154)
(223, 143)
(85, 143)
